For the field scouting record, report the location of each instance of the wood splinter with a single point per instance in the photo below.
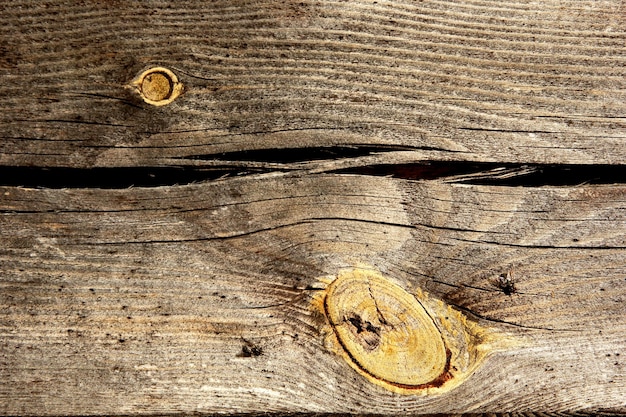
(406, 343)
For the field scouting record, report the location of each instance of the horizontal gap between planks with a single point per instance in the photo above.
(497, 174)
(488, 173)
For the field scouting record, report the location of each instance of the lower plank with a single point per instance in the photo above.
(200, 298)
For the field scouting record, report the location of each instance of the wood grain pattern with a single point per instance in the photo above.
(468, 151)
(511, 81)
(197, 298)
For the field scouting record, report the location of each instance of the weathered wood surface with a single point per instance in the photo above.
(509, 81)
(142, 300)
(200, 295)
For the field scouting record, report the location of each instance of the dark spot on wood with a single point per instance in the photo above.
(365, 332)
(10, 56)
(249, 350)
(506, 284)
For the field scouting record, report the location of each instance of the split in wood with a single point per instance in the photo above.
(235, 165)
(407, 343)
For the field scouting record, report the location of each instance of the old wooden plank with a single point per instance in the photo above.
(512, 81)
(200, 298)
(206, 297)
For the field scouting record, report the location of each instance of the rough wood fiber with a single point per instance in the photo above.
(202, 295)
(511, 81)
(198, 297)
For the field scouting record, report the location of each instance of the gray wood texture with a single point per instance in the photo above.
(122, 301)
(508, 81)
(198, 296)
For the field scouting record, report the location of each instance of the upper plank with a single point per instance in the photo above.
(509, 81)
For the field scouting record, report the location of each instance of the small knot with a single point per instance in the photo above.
(158, 86)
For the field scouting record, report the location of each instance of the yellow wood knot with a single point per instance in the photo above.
(407, 343)
(158, 86)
